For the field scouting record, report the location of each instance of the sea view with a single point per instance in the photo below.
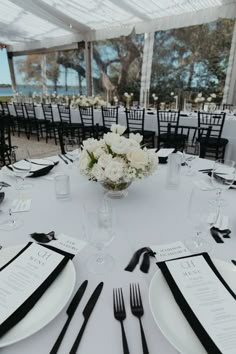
(28, 90)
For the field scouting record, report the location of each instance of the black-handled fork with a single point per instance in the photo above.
(137, 310)
(120, 315)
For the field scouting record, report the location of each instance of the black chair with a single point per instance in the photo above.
(5, 111)
(187, 134)
(215, 146)
(36, 125)
(109, 117)
(89, 129)
(68, 137)
(71, 130)
(227, 106)
(165, 118)
(5, 141)
(135, 119)
(21, 119)
(50, 124)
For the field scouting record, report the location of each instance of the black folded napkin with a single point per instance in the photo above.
(22, 310)
(215, 234)
(144, 267)
(41, 172)
(150, 113)
(2, 195)
(190, 316)
(163, 159)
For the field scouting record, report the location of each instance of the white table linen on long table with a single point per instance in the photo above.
(229, 129)
(151, 214)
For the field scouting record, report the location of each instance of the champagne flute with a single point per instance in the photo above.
(191, 154)
(21, 167)
(222, 177)
(99, 233)
(198, 213)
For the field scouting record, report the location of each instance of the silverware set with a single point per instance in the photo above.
(86, 313)
(137, 310)
(63, 157)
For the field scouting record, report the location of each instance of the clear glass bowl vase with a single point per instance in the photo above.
(116, 190)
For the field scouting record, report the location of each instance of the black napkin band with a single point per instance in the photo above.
(192, 319)
(136, 257)
(144, 267)
(23, 309)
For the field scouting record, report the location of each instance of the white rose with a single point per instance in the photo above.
(91, 144)
(84, 161)
(209, 99)
(126, 94)
(213, 95)
(97, 172)
(114, 171)
(118, 129)
(104, 160)
(99, 152)
(172, 93)
(137, 137)
(138, 158)
(109, 137)
(199, 95)
(120, 145)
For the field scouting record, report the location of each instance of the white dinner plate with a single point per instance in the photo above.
(47, 307)
(170, 318)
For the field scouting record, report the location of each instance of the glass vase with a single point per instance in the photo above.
(116, 190)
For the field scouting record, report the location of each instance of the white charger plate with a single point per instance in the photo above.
(47, 307)
(170, 319)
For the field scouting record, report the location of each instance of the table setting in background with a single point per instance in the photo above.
(89, 272)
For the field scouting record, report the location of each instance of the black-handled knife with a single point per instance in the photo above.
(63, 159)
(68, 158)
(70, 312)
(86, 313)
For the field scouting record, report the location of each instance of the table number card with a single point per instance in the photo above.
(23, 281)
(205, 299)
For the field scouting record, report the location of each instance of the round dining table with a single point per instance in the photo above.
(151, 214)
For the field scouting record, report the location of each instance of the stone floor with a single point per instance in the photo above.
(36, 149)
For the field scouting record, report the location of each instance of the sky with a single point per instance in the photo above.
(4, 69)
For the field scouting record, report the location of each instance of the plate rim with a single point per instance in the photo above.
(170, 338)
(55, 314)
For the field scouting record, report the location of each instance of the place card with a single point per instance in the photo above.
(24, 279)
(170, 251)
(20, 205)
(205, 299)
(68, 244)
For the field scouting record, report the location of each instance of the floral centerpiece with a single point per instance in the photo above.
(116, 161)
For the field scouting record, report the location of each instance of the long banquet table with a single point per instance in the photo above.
(151, 214)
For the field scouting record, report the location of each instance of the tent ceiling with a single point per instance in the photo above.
(31, 24)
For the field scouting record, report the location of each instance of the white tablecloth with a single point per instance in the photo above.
(150, 214)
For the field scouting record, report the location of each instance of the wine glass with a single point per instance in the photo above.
(222, 177)
(21, 167)
(99, 233)
(11, 223)
(191, 154)
(198, 214)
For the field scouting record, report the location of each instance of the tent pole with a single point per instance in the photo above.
(146, 68)
(230, 83)
(12, 72)
(88, 60)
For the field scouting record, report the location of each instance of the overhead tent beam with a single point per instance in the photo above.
(44, 50)
(230, 81)
(51, 14)
(127, 7)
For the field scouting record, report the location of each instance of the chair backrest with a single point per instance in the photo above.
(86, 115)
(213, 120)
(47, 112)
(30, 110)
(19, 109)
(135, 119)
(109, 116)
(227, 106)
(167, 117)
(5, 141)
(64, 113)
(4, 108)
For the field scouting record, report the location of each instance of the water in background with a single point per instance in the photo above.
(28, 90)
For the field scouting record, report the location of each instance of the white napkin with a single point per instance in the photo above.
(164, 152)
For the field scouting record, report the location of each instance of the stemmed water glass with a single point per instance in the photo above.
(198, 213)
(223, 176)
(21, 167)
(99, 233)
(191, 154)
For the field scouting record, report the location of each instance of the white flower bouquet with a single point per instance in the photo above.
(116, 161)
